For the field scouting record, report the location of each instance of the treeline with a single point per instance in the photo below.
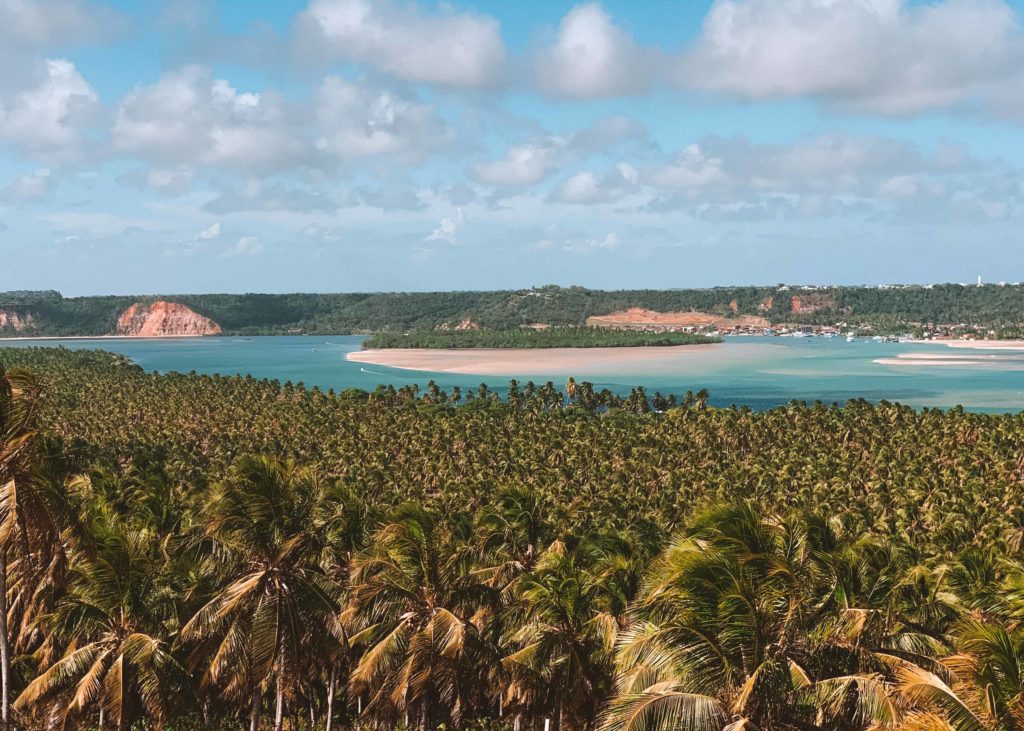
(192, 552)
(553, 337)
(991, 306)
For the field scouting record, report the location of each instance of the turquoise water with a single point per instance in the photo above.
(752, 371)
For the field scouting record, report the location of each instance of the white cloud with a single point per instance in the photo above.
(828, 175)
(522, 165)
(883, 56)
(210, 232)
(47, 120)
(188, 117)
(245, 246)
(449, 48)
(355, 121)
(586, 188)
(29, 187)
(448, 229)
(593, 58)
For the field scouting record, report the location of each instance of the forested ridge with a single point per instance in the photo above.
(990, 306)
(205, 552)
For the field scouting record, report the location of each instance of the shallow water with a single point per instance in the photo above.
(753, 371)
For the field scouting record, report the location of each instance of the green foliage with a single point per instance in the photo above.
(555, 337)
(397, 560)
(990, 306)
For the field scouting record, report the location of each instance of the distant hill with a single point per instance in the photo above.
(985, 307)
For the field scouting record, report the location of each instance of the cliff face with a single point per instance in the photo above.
(162, 319)
(11, 320)
(806, 304)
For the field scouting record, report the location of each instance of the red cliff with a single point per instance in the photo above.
(164, 319)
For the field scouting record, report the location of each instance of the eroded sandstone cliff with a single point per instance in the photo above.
(163, 319)
(11, 320)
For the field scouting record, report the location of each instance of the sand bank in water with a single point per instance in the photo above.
(988, 362)
(534, 361)
(978, 344)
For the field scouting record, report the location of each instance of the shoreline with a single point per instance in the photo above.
(518, 361)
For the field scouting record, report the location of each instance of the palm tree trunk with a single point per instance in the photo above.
(254, 713)
(330, 699)
(279, 703)
(5, 650)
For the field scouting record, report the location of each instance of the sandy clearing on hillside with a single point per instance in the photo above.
(637, 317)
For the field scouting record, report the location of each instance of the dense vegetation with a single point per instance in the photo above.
(200, 552)
(553, 337)
(990, 306)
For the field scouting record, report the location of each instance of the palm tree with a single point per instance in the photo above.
(276, 607)
(19, 397)
(987, 688)
(415, 604)
(112, 622)
(747, 623)
(561, 666)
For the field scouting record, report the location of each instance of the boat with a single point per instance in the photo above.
(850, 338)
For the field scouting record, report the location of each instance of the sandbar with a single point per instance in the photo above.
(977, 344)
(539, 361)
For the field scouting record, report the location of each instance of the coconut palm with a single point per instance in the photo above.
(561, 665)
(112, 622)
(275, 600)
(415, 604)
(742, 625)
(19, 397)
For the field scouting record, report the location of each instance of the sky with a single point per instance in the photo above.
(408, 145)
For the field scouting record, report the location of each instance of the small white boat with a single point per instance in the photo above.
(850, 338)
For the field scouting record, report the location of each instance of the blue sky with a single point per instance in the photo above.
(355, 145)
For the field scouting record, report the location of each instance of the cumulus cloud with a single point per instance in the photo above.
(592, 58)
(356, 121)
(29, 187)
(522, 165)
(831, 174)
(189, 117)
(587, 188)
(47, 120)
(448, 229)
(449, 48)
(883, 56)
(529, 163)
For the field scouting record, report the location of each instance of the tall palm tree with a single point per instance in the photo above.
(415, 605)
(275, 602)
(561, 666)
(19, 399)
(112, 622)
(746, 623)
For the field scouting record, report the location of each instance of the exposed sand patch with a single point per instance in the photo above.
(639, 318)
(539, 361)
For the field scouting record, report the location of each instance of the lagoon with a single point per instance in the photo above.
(759, 372)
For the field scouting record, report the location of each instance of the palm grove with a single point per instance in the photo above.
(196, 552)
